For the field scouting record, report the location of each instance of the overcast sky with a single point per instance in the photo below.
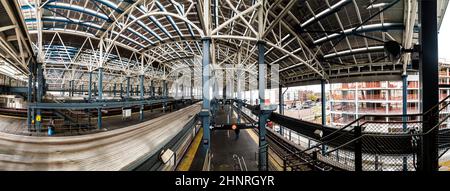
(444, 37)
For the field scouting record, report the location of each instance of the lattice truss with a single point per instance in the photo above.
(309, 39)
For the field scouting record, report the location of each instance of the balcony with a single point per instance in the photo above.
(380, 110)
(342, 97)
(413, 85)
(372, 97)
(370, 85)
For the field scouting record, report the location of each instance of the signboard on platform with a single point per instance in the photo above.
(126, 113)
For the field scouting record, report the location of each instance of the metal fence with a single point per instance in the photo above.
(383, 142)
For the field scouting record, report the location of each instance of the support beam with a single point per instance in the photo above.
(262, 119)
(324, 102)
(29, 95)
(89, 95)
(100, 97)
(281, 105)
(121, 90)
(239, 90)
(152, 88)
(205, 112)
(164, 92)
(281, 99)
(128, 87)
(192, 83)
(115, 90)
(324, 107)
(404, 113)
(141, 112)
(72, 87)
(429, 78)
(39, 94)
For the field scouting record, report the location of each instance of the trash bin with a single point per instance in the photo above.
(50, 131)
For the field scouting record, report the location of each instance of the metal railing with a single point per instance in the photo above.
(394, 144)
(240, 164)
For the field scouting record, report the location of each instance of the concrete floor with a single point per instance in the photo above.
(225, 146)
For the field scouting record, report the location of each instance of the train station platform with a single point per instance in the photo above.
(229, 152)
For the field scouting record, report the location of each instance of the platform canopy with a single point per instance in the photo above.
(309, 39)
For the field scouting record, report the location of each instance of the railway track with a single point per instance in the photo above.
(290, 157)
(120, 149)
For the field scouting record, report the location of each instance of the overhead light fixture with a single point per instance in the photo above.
(378, 5)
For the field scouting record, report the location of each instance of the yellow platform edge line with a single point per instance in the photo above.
(446, 163)
(253, 135)
(188, 158)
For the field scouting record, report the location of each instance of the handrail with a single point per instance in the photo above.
(364, 116)
(388, 135)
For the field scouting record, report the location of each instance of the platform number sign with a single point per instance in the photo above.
(38, 118)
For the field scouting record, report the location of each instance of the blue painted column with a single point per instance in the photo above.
(164, 95)
(192, 84)
(205, 112)
(137, 90)
(100, 96)
(72, 87)
(262, 119)
(281, 105)
(152, 89)
(39, 93)
(121, 90)
(141, 113)
(128, 87)
(115, 90)
(404, 113)
(324, 108)
(89, 96)
(29, 95)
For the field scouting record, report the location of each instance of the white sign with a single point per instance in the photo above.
(126, 113)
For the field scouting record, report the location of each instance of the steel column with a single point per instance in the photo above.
(324, 103)
(262, 119)
(192, 83)
(115, 89)
(29, 94)
(121, 90)
(429, 79)
(141, 113)
(128, 87)
(39, 93)
(281, 99)
(404, 113)
(281, 105)
(72, 85)
(239, 92)
(89, 96)
(152, 89)
(100, 96)
(205, 112)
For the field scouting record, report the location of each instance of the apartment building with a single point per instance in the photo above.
(348, 101)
